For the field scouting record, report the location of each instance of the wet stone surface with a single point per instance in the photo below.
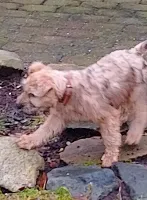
(82, 181)
(135, 178)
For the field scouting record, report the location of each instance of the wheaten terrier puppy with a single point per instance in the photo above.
(108, 93)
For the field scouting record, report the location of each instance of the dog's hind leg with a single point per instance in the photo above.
(139, 121)
(137, 126)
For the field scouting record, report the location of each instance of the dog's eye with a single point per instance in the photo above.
(25, 76)
(31, 95)
(50, 89)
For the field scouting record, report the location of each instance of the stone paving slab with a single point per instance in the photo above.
(31, 2)
(74, 31)
(134, 176)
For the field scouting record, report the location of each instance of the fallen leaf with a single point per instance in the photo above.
(42, 180)
(54, 163)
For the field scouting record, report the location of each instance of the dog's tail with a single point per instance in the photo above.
(141, 48)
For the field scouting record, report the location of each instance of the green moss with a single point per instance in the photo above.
(36, 121)
(2, 125)
(92, 162)
(33, 194)
(128, 161)
(63, 194)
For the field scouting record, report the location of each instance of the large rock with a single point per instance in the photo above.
(83, 150)
(18, 168)
(92, 181)
(92, 149)
(135, 177)
(10, 59)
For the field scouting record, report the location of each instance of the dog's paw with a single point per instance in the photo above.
(133, 138)
(108, 159)
(26, 142)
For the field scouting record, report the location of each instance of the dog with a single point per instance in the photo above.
(110, 92)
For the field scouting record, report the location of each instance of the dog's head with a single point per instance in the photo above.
(38, 90)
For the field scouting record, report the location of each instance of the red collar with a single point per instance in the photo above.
(68, 91)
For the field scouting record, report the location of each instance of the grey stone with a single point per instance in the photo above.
(91, 150)
(10, 59)
(135, 177)
(18, 168)
(82, 180)
(84, 150)
(86, 125)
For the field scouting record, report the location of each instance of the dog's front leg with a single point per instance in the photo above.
(110, 131)
(53, 125)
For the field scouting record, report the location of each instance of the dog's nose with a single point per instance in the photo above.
(19, 106)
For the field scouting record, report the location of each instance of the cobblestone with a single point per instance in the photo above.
(14, 13)
(40, 8)
(124, 1)
(9, 6)
(62, 3)
(128, 20)
(76, 10)
(25, 47)
(144, 2)
(22, 21)
(71, 31)
(31, 2)
(96, 4)
(141, 14)
(130, 6)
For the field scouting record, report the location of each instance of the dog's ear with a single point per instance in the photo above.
(141, 47)
(41, 87)
(37, 66)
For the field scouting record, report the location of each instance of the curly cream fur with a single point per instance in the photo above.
(108, 93)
